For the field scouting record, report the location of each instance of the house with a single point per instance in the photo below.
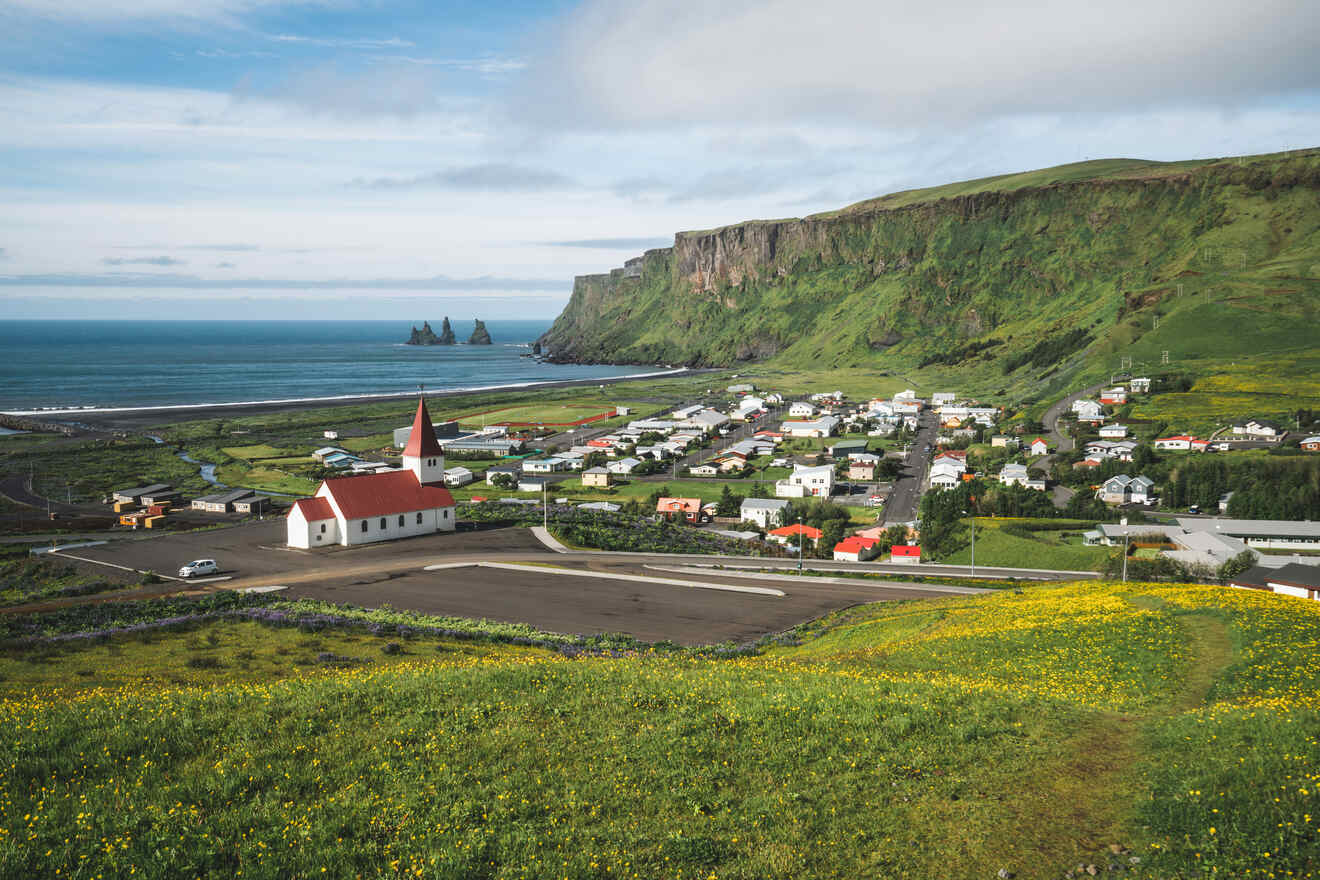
(1141, 490)
(1113, 432)
(821, 427)
(791, 534)
(1040, 447)
(741, 388)
(1261, 429)
(1175, 442)
(160, 496)
(326, 451)
(1004, 441)
(1140, 385)
(945, 476)
(954, 457)
(707, 420)
(939, 398)
(623, 467)
(442, 430)
(458, 476)
(512, 471)
(765, 512)
(1014, 473)
(1115, 490)
(229, 502)
(1120, 449)
(543, 465)
(751, 404)
(1036, 484)
(802, 410)
(537, 482)
(1116, 396)
(492, 445)
(704, 470)
(330, 435)
(687, 412)
(680, 509)
(806, 481)
(856, 549)
(1087, 411)
(379, 507)
(1224, 501)
(134, 496)
(909, 554)
(861, 470)
(906, 394)
(597, 476)
(1293, 579)
(341, 460)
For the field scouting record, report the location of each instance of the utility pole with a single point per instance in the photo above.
(545, 506)
(973, 545)
(801, 538)
(1123, 522)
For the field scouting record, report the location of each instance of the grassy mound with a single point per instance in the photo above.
(1167, 731)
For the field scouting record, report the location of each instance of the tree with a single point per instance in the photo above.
(831, 534)
(1238, 564)
(729, 504)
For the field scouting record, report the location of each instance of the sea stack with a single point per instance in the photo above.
(426, 336)
(480, 335)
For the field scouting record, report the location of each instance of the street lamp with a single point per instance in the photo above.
(973, 543)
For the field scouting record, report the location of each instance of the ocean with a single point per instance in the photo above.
(47, 365)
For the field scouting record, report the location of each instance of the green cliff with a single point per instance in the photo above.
(1027, 274)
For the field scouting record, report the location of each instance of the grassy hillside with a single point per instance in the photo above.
(1167, 731)
(1027, 281)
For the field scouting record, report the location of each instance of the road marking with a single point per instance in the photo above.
(273, 588)
(168, 577)
(612, 576)
(223, 577)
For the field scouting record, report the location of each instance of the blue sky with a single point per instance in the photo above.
(367, 158)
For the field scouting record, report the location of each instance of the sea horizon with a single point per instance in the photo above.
(71, 365)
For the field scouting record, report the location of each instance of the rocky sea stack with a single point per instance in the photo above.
(480, 335)
(426, 336)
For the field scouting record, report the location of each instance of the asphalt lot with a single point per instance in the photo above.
(253, 555)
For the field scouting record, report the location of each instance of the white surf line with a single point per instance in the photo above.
(168, 577)
(807, 579)
(612, 576)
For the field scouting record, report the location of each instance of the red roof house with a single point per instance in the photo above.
(856, 549)
(686, 509)
(784, 534)
(908, 553)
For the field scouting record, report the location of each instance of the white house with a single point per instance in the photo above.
(543, 465)
(1040, 447)
(623, 466)
(1177, 441)
(704, 470)
(940, 398)
(765, 512)
(1087, 410)
(821, 427)
(807, 481)
(382, 506)
(1113, 432)
(1141, 490)
(687, 412)
(1004, 441)
(945, 475)
(1140, 385)
(1014, 473)
(802, 410)
(458, 476)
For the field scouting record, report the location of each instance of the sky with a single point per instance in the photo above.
(408, 159)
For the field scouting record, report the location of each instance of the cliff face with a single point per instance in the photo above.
(902, 283)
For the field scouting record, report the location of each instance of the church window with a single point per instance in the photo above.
(323, 528)
(382, 522)
(419, 517)
(400, 519)
(364, 525)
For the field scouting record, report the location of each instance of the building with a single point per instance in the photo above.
(1140, 385)
(458, 476)
(1040, 447)
(1113, 432)
(946, 475)
(861, 470)
(623, 467)
(848, 448)
(1014, 473)
(856, 549)
(492, 445)
(707, 420)
(1311, 444)
(537, 482)
(687, 412)
(1004, 441)
(1122, 489)
(602, 506)
(790, 534)
(741, 388)
(1116, 396)
(765, 512)
(383, 506)
(441, 430)
(597, 476)
(821, 427)
(680, 509)
(1259, 429)
(512, 471)
(806, 482)
(1087, 411)
(909, 554)
(1293, 579)
(233, 501)
(543, 465)
(705, 470)
(135, 495)
(1175, 442)
(802, 410)
(326, 451)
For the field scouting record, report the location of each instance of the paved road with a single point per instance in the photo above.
(905, 498)
(1062, 442)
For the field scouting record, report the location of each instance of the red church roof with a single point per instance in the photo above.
(387, 493)
(314, 509)
(421, 441)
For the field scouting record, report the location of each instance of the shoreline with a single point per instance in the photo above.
(113, 418)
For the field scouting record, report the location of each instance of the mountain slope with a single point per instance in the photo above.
(1056, 269)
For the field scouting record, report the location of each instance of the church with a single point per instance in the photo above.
(382, 506)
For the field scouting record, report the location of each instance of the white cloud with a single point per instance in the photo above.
(666, 62)
(344, 42)
(116, 11)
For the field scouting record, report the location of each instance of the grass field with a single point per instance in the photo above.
(1167, 729)
(1056, 549)
(539, 414)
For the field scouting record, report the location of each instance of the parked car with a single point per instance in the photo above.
(198, 567)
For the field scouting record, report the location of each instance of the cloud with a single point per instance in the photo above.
(225, 265)
(487, 66)
(616, 244)
(650, 64)
(4, 255)
(487, 176)
(158, 280)
(143, 261)
(391, 90)
(343, 42)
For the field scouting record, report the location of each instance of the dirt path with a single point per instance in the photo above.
(1077, 805)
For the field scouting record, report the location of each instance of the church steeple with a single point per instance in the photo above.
(423, 455)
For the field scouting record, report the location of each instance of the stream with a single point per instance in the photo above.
(204, 468)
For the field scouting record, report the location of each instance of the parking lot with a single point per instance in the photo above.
(612, 593)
